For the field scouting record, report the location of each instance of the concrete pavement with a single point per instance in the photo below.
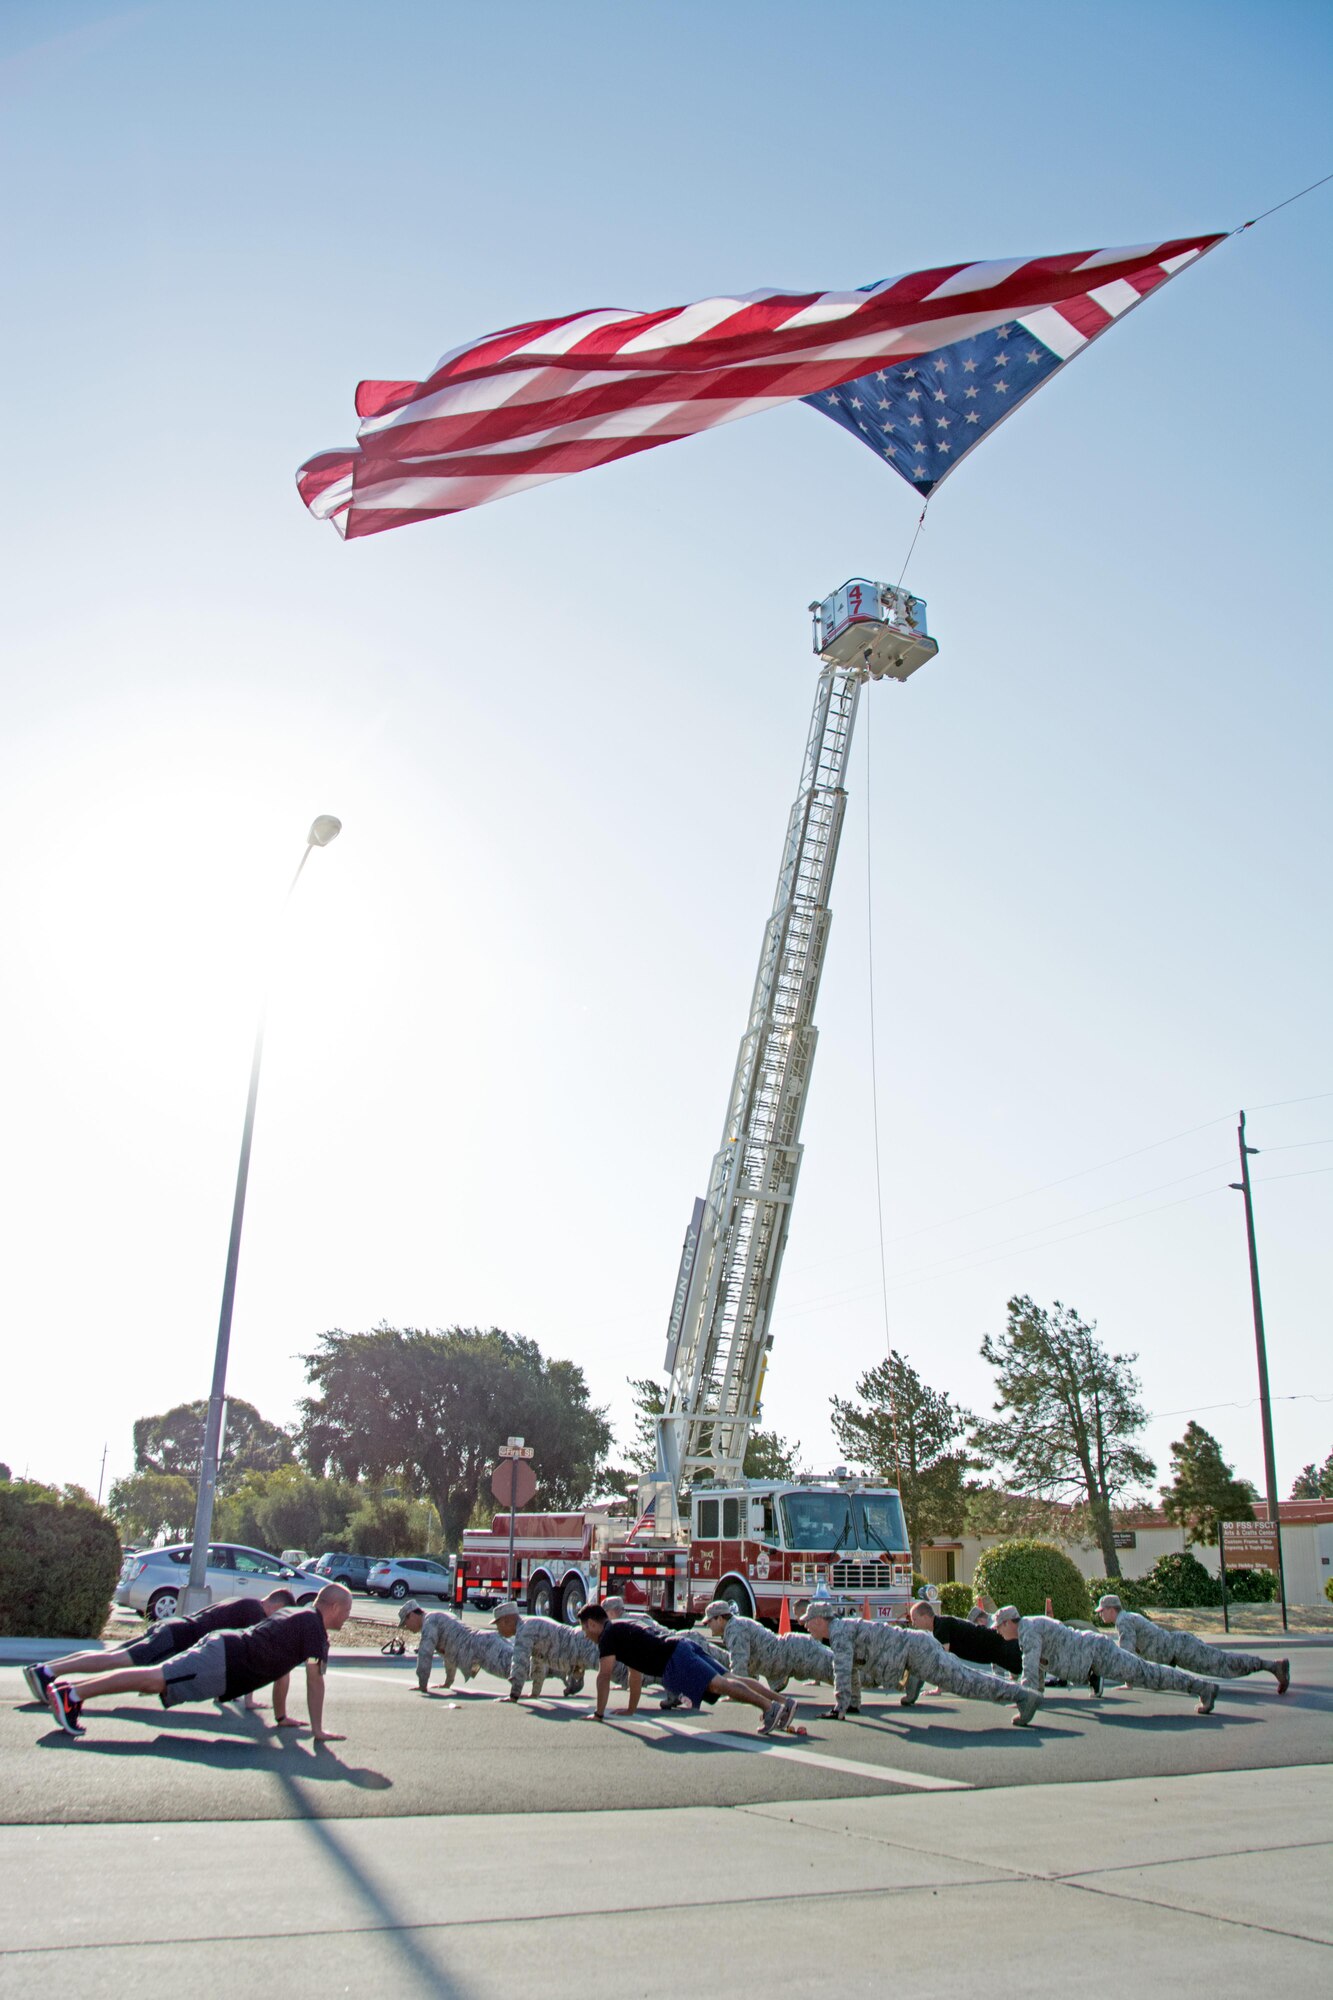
(458, 1845)
(1212, 1883)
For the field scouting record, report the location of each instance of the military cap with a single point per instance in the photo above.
(1005, 1613)
(721, 1607)
(1109, 1603)
(405, 1610)
(506, 1610)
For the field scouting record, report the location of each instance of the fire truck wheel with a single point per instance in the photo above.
(572, 1600)
(541, 1602)
(737, 1594)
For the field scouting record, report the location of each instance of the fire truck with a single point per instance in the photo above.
(704, 1530)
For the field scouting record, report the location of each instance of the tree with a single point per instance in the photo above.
(767, 1455)
(649, 1400)
(5, 1474)
(147, 1502)
(1314, 1482)
(1203, 1489)
(1068, 1413)
(288, 1508)
(432, 1409)
(174, 1442)
(928, 1460)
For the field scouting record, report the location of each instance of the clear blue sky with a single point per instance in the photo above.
(564, 732)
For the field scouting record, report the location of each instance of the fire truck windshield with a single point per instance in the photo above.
(835, 1521)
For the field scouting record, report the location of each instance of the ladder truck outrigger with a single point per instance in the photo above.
(705, 1530)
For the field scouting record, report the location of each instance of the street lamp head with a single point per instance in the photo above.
(323, 830)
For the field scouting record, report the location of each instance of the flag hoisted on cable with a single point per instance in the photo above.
(919, 367)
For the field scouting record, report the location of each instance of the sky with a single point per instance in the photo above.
(1084, 871)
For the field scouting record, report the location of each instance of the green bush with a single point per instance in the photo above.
(1132, 1591)
(1251, 1586)
(1181, 1582)
(918, 1582)
(1026, 1573)
(1328, 1590)
(59, 1560)
(956, 1599)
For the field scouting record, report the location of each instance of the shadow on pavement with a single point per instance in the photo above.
(231, 1753)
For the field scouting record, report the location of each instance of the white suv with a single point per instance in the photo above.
(411, 1576)
(153, 1580)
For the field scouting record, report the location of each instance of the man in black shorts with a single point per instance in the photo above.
(683, 1668)
(160, 1642)
(227, 1665)
(966, 1641)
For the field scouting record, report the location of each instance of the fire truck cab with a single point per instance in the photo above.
(760, 1541)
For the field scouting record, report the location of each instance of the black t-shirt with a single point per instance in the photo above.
(273, 1648)
(642, 1652)
(978, 1642)
(233, 1614)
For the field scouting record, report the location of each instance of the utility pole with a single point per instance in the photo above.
(101, 1476)
(1242, 1186)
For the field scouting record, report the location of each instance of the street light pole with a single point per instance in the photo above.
(196, 1593)
(1242, 1186)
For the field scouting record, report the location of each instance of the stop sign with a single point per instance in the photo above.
(524, 1483)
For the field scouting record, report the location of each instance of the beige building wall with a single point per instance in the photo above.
(1307, 1556)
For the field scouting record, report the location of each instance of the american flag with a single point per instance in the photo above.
(896, 363)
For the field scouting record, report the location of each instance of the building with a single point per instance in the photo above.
(1143, 1534)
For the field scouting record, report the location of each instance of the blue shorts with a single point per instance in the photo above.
(690, 1672)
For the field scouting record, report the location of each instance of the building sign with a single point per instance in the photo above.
(1249, 1543)
(1124, 1538)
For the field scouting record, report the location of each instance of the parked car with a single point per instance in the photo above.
(152, 1580)
(351, 1570)
(411, 1576)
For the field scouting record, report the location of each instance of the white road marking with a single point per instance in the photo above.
(768, 1746)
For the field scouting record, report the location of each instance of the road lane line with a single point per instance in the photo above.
(767, 1746)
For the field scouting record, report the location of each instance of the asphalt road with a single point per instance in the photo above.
(466, 1752)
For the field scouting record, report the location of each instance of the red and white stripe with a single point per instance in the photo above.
(552, 397)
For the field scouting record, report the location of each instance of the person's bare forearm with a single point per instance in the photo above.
(280, 1688)
(635, 1690)
(604, 1673)
(314, 1694)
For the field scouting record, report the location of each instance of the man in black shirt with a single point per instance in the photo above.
(161, 1641)
(966, 1640)
(683, 1668)
(226, 1665)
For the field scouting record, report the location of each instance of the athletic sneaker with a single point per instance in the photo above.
(1028, 1704)
(784, 1721)
(1205, 1704)
(672, 1701)
(1282, 1668)
(1095, 1683)
(65, 1705)
(39, 1678)
(771, 1714)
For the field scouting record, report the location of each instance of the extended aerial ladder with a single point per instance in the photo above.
(718, 1339)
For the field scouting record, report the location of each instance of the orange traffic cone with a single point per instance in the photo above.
(784, 1618)
(1049, 1612)
(866, 1612)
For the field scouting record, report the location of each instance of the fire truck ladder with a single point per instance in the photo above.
(717, 1361)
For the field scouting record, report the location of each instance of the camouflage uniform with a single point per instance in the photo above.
(463, 1649)
(752, 1649)
(1048, 1646)
(865, 1651)
(1140, 1637)
(927, 1660)
(546, 1646)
